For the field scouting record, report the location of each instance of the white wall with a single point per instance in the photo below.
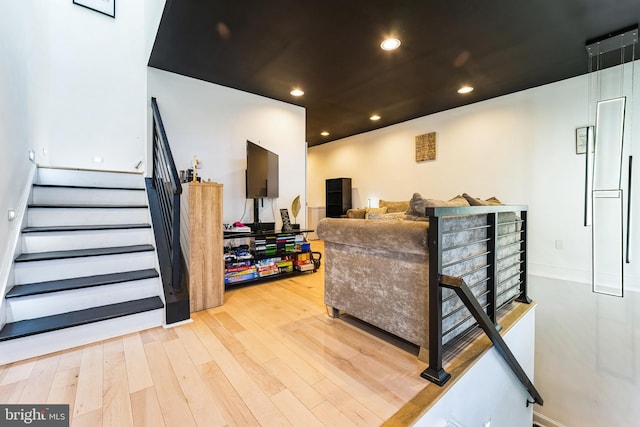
(519, 148)
(214, 122)
(89, 84)
(14, 118)
(153, 10)
(587, 355)
(73, 87)
(489, 391)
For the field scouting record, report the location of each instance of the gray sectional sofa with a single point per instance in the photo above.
(378, 270)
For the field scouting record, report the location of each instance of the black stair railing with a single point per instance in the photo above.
(458, 285)
(505, 279)
(166, 182)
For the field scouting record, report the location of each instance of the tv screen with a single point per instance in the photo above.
(262, 172)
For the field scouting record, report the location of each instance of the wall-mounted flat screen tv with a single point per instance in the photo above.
(262, 172)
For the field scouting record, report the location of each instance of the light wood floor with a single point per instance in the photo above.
(269, 356)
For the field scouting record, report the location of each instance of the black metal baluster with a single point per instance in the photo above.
(435, 372)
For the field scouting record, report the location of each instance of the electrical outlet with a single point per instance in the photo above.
(486, 423)
(97, 159)
(559, 244)
(11, 215)
(32, 155)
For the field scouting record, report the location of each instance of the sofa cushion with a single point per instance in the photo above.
(369, 211)
(356, 213)
(418, 204)
(388, 216)
(411, 217)
(393, 236)
(474, 201)
(459, 200)
(393, 207)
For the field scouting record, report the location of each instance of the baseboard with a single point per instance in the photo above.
(544, 421)
(11, 250)
(631, 282)
(561, 273)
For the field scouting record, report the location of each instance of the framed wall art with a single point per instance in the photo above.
(581, 140)
(106, 7)
(286, 222)
(426, 147)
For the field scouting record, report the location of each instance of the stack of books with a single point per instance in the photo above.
(267, 267)
(273, 244)
(303, 262)
(286, 243)
(265, 245)
(285, 266)
(240, 274)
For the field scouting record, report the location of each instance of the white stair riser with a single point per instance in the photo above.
(42, 217)
(63, 195)
(31, 307)
(36, 345)
(40, 271)
(48, 176)
(67, 240)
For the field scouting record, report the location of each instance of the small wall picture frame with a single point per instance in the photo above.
(106, 7)
(581, 139)
(426, 147)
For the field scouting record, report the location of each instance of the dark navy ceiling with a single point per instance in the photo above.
(331, 49)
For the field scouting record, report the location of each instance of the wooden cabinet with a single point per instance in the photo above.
(206, 257)
(338, 196)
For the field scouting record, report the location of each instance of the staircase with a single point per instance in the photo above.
(88, 267)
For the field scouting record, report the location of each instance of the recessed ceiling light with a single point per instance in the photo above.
(465, 89)
(374, 117)
(390, 44)
(324, 133)
(297, 92)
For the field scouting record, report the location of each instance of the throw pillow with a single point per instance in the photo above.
(494, 201)
(356, 213)
(458, 201)
(474, 201)
(434, 203)
(374, 210)
(416, 205)
(393, 207)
